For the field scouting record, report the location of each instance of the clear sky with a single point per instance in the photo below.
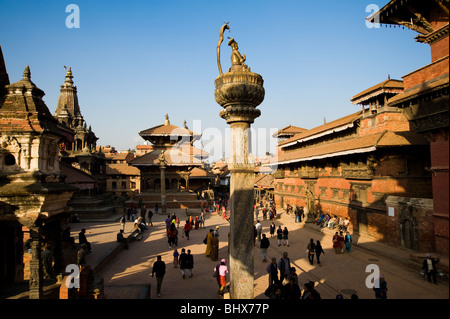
(134, 61)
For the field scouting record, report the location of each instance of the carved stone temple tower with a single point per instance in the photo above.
(33, 194)
(239, 92)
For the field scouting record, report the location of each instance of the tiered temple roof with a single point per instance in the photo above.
(24, 110)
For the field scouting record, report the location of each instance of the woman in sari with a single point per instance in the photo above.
(348, 242)
(209, 236)
(336, 243)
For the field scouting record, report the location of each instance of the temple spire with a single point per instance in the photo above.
(167, 122)
(69, 77)
(27, 73)
(4, 78)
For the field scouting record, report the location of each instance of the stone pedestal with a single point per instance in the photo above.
(163, 189)
(239, 92)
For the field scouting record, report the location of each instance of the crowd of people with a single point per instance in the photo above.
(283, 281)
(266, 208)
(325, 220)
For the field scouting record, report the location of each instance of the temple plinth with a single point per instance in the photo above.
(239, 92)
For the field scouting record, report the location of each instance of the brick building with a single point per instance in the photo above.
(425, 101)
(351, 166)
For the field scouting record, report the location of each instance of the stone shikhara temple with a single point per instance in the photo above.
(81, 152)
(33, 195)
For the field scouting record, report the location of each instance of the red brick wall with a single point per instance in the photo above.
(416, 209)
(439, 49)
(440, 164)
(396, 122)
(387, 180)
(426, 73)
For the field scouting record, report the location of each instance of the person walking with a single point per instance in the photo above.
(258, 227)
(216, 232)
(272, 270)
(189, 263)
(342, 242)
(311, 251)
(221, 271)
(208, 242)
(47, 261)
(336, 243)
(429, 267)
(279, 235)
(182, 261)
(171, 235)
(150, 215)
(168, 221)
(380, 288)
(285, 236)
(187, 229)
(202, 221)
(348, 242)
(214, 247)
(159, 269)
(297, 215)
(176, 254)
(284, 265)
(272, 229)
(264, 245)
(319, 251)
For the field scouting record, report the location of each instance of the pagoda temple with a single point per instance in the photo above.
(173, 149)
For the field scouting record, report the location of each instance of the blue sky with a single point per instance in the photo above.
(134, 61)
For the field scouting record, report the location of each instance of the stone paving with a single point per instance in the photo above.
(128, 273)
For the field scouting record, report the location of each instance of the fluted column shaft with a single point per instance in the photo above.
(239, 93)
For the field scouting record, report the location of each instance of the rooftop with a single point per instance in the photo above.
(387, 86)
(325, 129)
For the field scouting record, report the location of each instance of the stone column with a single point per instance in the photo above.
(163, 188)
(36, 271)
(239, 92)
